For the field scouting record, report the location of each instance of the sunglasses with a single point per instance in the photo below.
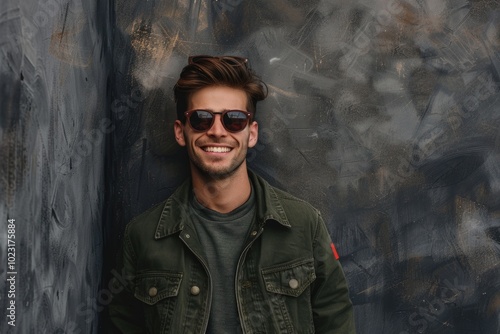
(231, 60)
(232, 120)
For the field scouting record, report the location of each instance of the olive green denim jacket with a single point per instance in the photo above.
(287, 278)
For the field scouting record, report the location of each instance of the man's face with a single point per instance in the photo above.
(217, 153)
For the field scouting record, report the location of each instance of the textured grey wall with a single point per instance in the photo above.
(384, 114)
(53, 111)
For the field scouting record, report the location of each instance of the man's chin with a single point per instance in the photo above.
(217, 173)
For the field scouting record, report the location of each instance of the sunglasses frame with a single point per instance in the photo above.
(188, 114)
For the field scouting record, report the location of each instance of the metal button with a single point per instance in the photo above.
(253, 234)
(187, 236)
(153, 291)
(293, 283)
(195, 291)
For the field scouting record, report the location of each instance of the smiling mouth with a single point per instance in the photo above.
(215, 149)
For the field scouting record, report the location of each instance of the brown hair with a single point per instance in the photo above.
(204, 71)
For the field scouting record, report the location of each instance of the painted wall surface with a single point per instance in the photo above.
(53, 111)
(383, 114)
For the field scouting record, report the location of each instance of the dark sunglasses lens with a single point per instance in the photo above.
(235, 121)
(201, 120)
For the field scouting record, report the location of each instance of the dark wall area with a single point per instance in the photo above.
(383, 114)
(54, 67)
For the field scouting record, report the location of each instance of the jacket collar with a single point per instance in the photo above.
(176, 213)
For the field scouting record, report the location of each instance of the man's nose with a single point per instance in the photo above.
(217, 129)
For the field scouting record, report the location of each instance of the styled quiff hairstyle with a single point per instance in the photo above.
(204, 71)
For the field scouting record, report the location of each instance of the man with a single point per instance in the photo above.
(228, 253)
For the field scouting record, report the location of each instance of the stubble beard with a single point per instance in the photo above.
(211, 172)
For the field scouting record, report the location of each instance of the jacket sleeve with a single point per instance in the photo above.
(332, 308)
(125, 311)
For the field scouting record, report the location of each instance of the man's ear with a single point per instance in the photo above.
(179, 133)
(254, 134)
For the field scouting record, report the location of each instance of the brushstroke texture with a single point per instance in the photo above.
(383, 114)
(52, 170)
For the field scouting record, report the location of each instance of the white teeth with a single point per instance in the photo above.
(217, 149)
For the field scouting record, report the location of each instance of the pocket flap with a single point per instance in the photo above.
(154, 286)
(290, 278)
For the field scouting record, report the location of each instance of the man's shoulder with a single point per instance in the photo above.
(293, 206)
(147, 219)
(290, 202)
(150, 218)
(285, 196)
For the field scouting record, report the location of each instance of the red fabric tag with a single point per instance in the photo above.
(335, 254)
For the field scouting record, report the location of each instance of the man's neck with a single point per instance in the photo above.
(222, 195)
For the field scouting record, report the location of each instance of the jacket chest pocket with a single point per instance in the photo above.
(289, 295)
(158, 291)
